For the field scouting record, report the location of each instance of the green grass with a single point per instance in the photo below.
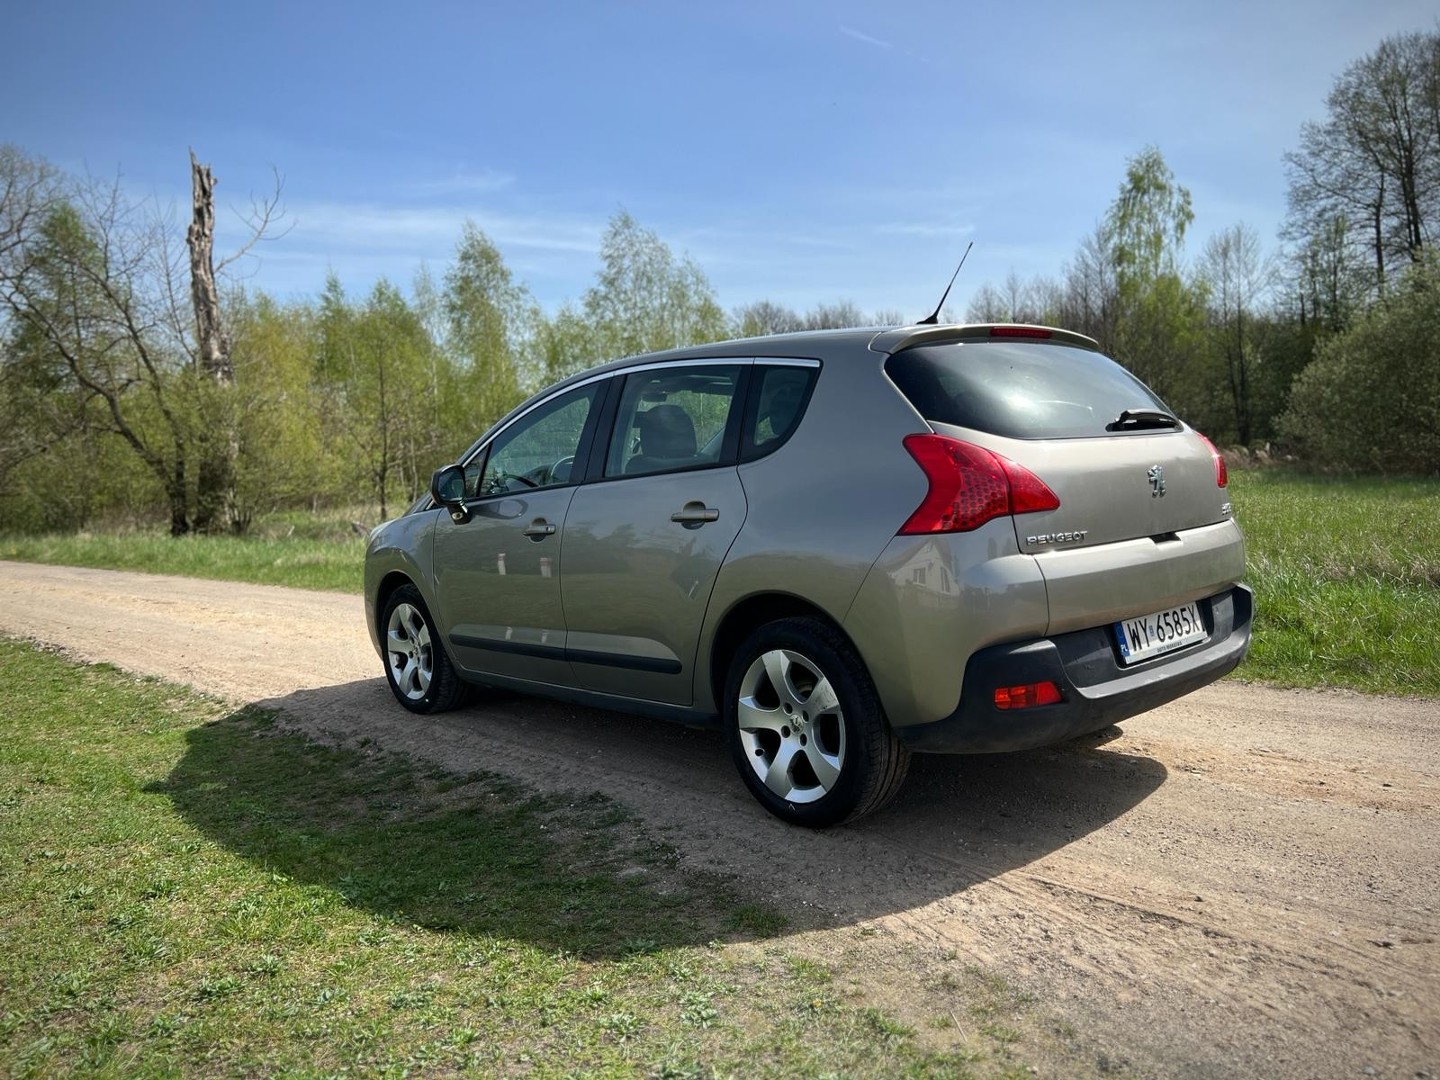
(1347, 572)
(1347, 579)
(302, 562)
(190, 891)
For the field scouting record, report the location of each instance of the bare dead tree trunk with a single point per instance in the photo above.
(219, 441)
(200, 237)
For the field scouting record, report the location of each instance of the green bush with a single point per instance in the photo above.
(1370, 401)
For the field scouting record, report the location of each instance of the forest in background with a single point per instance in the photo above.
(140, 384)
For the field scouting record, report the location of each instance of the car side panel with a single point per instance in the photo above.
(824, 505)
(498, 590)
(930, 602)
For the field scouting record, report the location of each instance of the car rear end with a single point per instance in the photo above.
(1074, 561)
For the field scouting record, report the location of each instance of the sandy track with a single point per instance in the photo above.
(1243, 883)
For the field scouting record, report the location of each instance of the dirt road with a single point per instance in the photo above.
(1243, 883)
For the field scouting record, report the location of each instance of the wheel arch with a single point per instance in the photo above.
(393, 580)
(750, 614)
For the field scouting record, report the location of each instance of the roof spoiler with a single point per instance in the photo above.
(907, 337)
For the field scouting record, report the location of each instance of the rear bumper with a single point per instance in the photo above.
(1095, 689)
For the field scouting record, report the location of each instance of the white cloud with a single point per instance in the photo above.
(364, 241)
(367, 226)
(851, 32)
(935, 229)
(463, 182)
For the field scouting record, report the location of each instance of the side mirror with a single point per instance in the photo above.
(447, 488)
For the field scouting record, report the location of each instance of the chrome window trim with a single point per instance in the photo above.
(482, 447)
(786, 361)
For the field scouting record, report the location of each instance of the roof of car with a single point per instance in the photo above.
(799, 343)
(822, 344)
(880, 339)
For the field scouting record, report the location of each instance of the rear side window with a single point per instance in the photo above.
(674, 418)
(1020, 390)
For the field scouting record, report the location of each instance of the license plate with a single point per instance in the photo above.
(1165, 631)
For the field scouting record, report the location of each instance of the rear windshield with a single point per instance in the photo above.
(1021, 390)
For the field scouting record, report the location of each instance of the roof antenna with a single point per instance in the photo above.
(934, 318)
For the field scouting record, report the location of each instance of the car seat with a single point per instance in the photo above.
(667, 440)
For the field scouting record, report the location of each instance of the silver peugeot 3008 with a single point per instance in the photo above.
(839, 547)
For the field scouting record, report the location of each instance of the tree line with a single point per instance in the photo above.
(1294, 344)
(131, 388)
(134, 387)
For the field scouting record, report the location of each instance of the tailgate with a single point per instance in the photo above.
(1142, 524)
(1121, 487)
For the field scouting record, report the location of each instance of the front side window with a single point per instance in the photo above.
(673, 418)
(537, 451)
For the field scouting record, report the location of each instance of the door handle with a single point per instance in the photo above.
(539, 529)
(694, 514)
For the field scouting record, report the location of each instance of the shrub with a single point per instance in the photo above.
(1370, 401)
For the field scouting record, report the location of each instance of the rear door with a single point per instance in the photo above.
(1118, 488)
(644, 542)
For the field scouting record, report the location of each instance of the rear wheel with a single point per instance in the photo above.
(416, 665)
(806, 728)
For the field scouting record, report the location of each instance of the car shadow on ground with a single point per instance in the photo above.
(591, 831)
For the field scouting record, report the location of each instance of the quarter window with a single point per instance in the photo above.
(778, 397)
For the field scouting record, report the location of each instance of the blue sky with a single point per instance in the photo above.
(799, 152)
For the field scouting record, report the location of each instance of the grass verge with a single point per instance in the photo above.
(334, 565)
(1347, 579)
(191, 891)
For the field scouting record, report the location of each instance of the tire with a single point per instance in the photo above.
(806, 728)
(416, 665)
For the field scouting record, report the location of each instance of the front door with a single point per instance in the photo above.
(497, 574)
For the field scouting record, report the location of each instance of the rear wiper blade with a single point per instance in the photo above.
(1137, 419)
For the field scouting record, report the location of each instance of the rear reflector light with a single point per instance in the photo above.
(969, 486)
(1222, 473)
(1019, 331)
(1027, 696)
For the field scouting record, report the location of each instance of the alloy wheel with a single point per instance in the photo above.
(791, 726)
(408, 651)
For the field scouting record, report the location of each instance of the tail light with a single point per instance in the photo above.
(970, 485)
(1020, 331)
(1222, 473)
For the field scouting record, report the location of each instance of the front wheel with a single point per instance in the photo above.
(416, 665)
(806, 728)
